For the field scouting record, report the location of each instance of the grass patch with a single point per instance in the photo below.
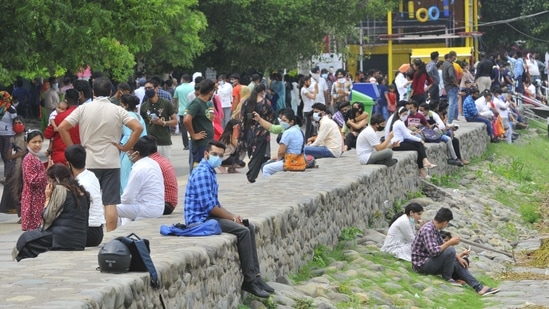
(447, 181)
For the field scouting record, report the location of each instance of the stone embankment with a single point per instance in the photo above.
(293, 212)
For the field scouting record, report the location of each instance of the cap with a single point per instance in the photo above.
(142, 81)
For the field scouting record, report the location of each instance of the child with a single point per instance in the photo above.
(11, 199)
(61, 107)
(34, 182)
(392, 103)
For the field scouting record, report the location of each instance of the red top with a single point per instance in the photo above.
(170, 179)
(418, 83)
(58, 147)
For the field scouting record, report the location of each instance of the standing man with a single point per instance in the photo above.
(199, 121)
(76, 160)
(100, 127)
(140, 91)
(483, 75)
(518, 71)
(159, 116)
(225, 94)
(432, 256)
(202, 203)
(51, 99)
(432, 71)
(322, 86)
(235, 81)
(180, 102)
(451, 85)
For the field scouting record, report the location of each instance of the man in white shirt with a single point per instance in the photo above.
(328, 143)
(225, 94)
(143, 197)
(369, 148)
(483, 105)
(308, 95)
(322, 86)
(76, 159)
(140, 92)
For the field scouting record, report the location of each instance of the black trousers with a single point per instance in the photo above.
(413, 146)
(455, 143)
(257, 158)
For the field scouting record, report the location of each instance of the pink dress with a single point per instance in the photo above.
(33, 197)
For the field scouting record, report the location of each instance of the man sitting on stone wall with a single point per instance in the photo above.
(202, 203)
(432, 256)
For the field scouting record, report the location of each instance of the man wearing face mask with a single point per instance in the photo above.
(159, 116)
(225, 94)
(84, 91)
(328, 143)
(235, 81)
(202, 203)
(198, 121)
(370, 149)
(341, 89)
(143, 197)
(322, 86)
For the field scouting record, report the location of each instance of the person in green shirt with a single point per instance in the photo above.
(198, 121)
(159, 116)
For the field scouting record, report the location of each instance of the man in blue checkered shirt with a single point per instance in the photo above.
(202, 203)
(471, 114)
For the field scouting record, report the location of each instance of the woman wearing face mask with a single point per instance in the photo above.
(407, 141)
(402, 232)
(256, 138)
(292, 141)
(128, 102)
(11, 198)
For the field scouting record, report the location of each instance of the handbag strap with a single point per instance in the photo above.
(302, 144)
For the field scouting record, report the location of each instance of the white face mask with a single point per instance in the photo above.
(221, 83)
(341, 80)
(403, 117)
(316, 116)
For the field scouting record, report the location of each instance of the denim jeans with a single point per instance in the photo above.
(453, 104)
(318, 152)
(488, 123)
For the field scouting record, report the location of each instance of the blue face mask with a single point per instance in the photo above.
(215, 161)
(316, 116)
(412, 221)
(325, 75)
(284, 125)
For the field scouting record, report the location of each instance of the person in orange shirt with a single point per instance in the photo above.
(235, 80)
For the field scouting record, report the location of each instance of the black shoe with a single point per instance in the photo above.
(186, 148)
(494, 140)
(393, 162)
(241, 163)
(455, 162)
(254, 288)
(264, 285)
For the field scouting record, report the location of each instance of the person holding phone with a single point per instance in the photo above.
(64, 217)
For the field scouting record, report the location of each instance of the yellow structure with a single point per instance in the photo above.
(400, 44)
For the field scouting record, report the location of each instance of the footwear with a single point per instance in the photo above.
(494, 140)
(264, 285)
(253, 287)
(454, 282)
(455, 162)
(241, 163)
(430, 165)
(465, 162)
(393, 162)
(186, 148)
(232, 170)
(487, 291)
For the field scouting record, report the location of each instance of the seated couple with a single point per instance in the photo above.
(429, 253)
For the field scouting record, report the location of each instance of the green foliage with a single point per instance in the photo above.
(303, 303)
(530, 213)
(49, 37)
(449, 181)
(350, 233)
(415, 194)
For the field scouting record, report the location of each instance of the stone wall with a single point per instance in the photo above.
(293, 213)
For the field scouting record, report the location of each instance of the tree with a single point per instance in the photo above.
(49, 37)
(247, 34)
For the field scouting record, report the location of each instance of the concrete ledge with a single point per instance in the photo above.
(293, 213)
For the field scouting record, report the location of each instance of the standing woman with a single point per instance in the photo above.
(6, 132)
(407, 141)
(11, 198)
(128, 102)
(257, 139)
(418, 83)
(34, 182)
(402, 232)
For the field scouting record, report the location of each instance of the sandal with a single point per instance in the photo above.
(488, 291)
(430, 165)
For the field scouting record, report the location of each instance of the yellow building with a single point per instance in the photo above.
(416, 30)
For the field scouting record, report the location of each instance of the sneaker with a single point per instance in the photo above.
(254, 288)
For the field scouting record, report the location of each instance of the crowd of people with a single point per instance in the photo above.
(110, 148)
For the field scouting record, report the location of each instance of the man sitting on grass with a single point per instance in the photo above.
(432, 256)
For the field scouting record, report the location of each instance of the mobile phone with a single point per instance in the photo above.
(246, 222)
(153, 116)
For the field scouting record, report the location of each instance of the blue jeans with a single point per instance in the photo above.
(485, 121)
(453, 104)
(318, 152)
